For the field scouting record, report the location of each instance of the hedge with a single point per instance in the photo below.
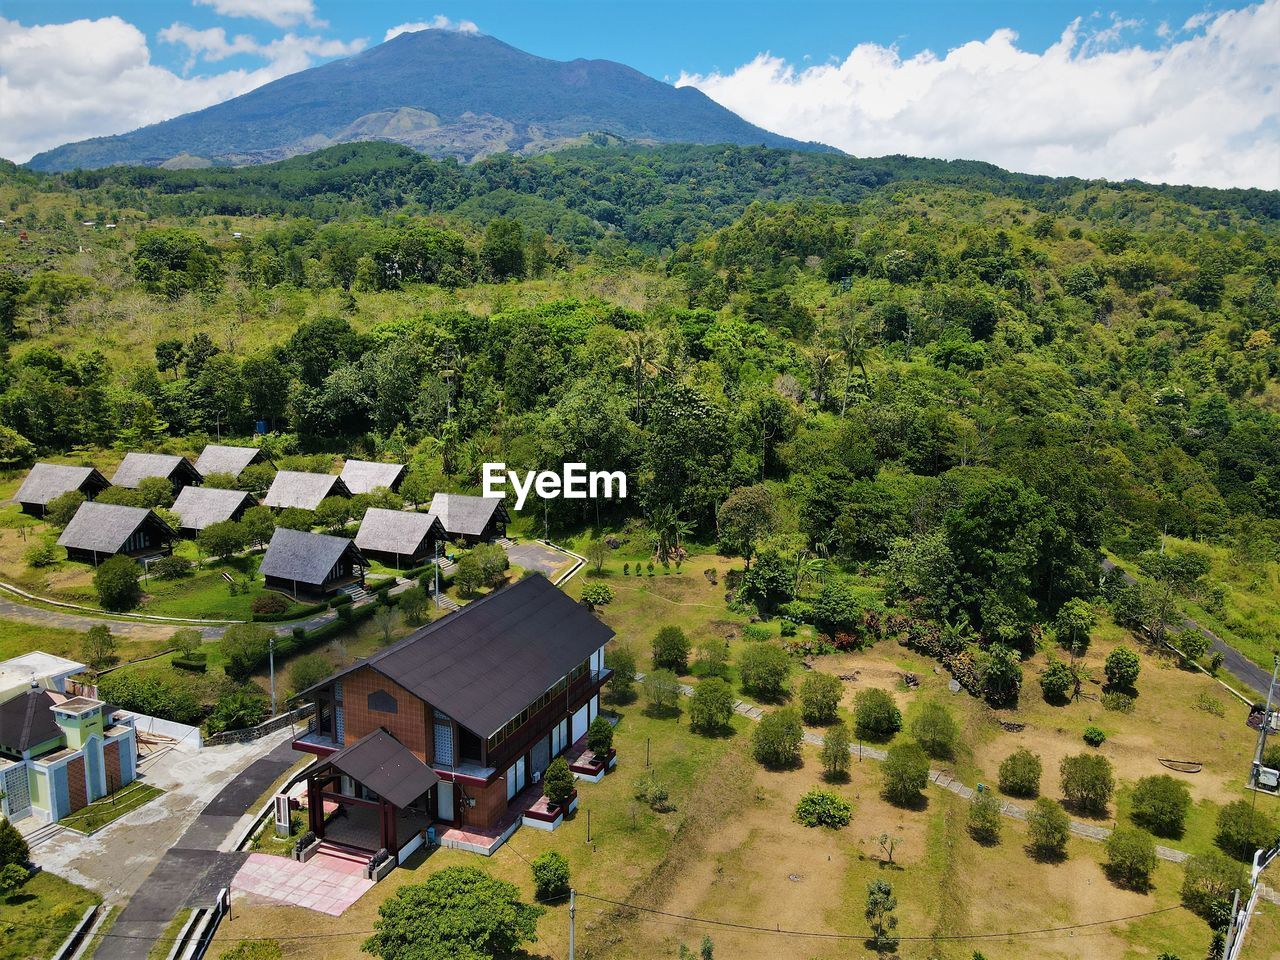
(341, 600)
(293, 613)
(196, 663)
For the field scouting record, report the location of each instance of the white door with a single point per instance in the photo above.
(444, 801)
(579, 725)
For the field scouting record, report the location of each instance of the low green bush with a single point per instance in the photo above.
(196, 663)
(822, 808)
(1094, 736)
(341, 600)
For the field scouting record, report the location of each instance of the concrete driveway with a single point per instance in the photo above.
(533, 555)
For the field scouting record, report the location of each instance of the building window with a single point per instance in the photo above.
(443, 740)
(383, 702)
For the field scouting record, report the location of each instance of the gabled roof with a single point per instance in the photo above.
(495, 656)
(136, 467)
(198, 507)
(387, 767)
(49, 480)
(397, 531)
(304, 557)
(466, 516)
(104, 527)
(27, 720)
(363, 476)
(217, 458)
(292, 488)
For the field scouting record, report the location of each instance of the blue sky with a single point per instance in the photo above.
(1162, 90)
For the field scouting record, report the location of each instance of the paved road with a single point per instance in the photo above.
(1238, 665)
(192, 872)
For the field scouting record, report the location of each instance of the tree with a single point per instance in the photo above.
(600, 737)
(155, 492)
(819, 698)
(662, 690)
(59, 511)
(1121, 668)
(295, 518)
(1020, 773)
(671, 650)
(1242, 829)
(1001, 674)
(1160, 803)
(748, 516)
(985, 817)
(1074, 622)
(906, 771)
(1058, 681)
(12, 877)
(764, 669)
(879, 913)
(459, 913)
(836, 609)
(308, 670)
(875, 715)
(1131, 857)
(387, 619)
(1208, 882)
(776, 739)
(713, 658)
(238, 710)
(935, 730)
(244, 648)
(550, 875)
(623, 664)
(186, 641)
(98, 647)
(1087, 782)
(711, 706)
(597, 553)
(223, 539)
(116, 583)
(1048, 827)
(257, 525)
(332, 513)
(835, 751)
(557, 783)
(414, 604)
(1193, 645)
(502, 252)
(13, 848)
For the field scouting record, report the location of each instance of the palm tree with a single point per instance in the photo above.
(854, 347)
(643, 350)
(820, 363)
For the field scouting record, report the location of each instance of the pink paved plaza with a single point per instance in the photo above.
(326, 884)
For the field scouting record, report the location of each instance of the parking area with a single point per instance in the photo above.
(547, 560)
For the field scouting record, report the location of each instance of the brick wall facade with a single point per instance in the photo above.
(411, 724)
(77, 789)
(111, 759)
(491, 802)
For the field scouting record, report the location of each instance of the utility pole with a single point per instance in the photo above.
(437, 574)
(572, 910)
(1264, 728)
(271, 660)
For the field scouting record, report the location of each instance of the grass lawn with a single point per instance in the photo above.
(160, 949)
(111, 807)
(36, 919)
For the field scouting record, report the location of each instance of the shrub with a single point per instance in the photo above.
(985, 817)
(1020, 774)
(652, 792)
(775, 742)
(270, 603)
(254, 950)
(819, 697)
(414, 604)
(876, 715)
(671, 650)
(341, 600)
(906, 771)
(1119, 702)
(244, 647)
(1122, 668)
(195, 663)
(822, 808)
(557, 782)
(13, 848)
(1131, 856)
(1160, 804)
(307, 671)
(1048, 827)
(662, 690)
(1242, 829)
(1087, 782)
(596, 594)
(623, 664)
(116, 583)
(166, 694)
(1271, 756)
(711, 706)
(42, 553)
(237, 710)
(1208, 882)
(935, 730)
(1000, 670)
(1209, 704)
(59, 511)
(835, 751)
(765, 669)
(713, 658)
(171, 567)
(1094, 736)
(98, 647)
(12, 877)
(600, 737)
(1058, 681)
(550, 875)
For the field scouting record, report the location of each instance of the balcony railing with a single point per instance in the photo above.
(537, 726)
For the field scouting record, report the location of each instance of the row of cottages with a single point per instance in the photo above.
(455, 722)
(58, 753)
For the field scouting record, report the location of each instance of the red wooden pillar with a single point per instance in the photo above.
(391, 844)
(315, 806)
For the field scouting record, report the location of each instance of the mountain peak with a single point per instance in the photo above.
(446, 93)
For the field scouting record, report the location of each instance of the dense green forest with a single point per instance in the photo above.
(961, 381)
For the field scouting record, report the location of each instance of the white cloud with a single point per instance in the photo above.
(1204, 109)
(438, 22)
(70, 81)
(281, 13)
